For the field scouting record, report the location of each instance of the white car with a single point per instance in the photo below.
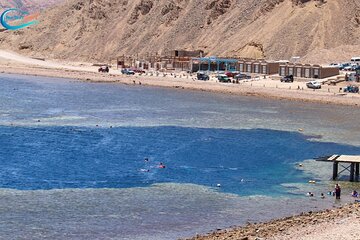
(313, 85)
(348, 68)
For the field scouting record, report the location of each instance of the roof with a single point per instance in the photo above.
(340, 158)
(215, 59)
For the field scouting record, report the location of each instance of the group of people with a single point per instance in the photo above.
(336, 193)
(310, 194)
(160, 165)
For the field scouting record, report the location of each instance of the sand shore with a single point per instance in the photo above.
(269, 87)
(339, 223)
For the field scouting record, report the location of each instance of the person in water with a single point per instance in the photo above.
(337, 191)
(161, 165)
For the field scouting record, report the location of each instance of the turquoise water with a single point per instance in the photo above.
(73, 157)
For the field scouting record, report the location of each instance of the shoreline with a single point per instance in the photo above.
(335, 223)
(263, 88)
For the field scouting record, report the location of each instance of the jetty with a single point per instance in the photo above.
(349, 163)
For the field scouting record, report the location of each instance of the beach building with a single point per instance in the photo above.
(193, 61)
(307, 70)
(233, 64)
(180, 59)
(258, 66)
(169, 60)
(213, 64)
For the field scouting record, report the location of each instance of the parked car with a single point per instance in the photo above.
(338, 65)
(288, 78)
(104, 69)
(351, 89)
(137, 70)
(344, 65)
(313, 85)
(354, 67)
(127, 71)
(242, 76)
(231, 74)
(223, 78)
(348, 68)
(202, 76)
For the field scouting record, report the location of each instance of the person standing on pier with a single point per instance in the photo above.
(337, 191)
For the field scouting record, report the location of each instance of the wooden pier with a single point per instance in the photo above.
(349, 163)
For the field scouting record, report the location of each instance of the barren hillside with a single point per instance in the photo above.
(317, 30)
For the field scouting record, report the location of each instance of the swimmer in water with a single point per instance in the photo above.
(146, 159)
(310, 194)
(161, 165)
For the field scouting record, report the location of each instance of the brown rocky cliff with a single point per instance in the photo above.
(275, 29)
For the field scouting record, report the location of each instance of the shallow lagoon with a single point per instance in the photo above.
(72, 158)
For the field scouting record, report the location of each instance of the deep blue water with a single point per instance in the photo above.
(244, 162)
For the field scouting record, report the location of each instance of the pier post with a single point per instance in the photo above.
(352, 171)
(335, 170)
(357, 170)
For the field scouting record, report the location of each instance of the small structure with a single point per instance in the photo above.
(352, 162)
(171, 60)
(269, 68)
(258, 66)
(212, 64)
(307, 70)
(180, 59)
(185, 53)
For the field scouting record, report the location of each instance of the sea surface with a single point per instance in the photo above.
(81, 160)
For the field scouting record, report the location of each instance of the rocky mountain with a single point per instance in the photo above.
(316, 30)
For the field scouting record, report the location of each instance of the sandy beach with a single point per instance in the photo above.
(341, 223)
(265, 87)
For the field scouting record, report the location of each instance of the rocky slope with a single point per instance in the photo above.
(317, 30)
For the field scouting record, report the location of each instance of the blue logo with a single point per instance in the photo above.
(14, 19)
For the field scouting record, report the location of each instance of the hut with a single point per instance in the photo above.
(307, 70)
